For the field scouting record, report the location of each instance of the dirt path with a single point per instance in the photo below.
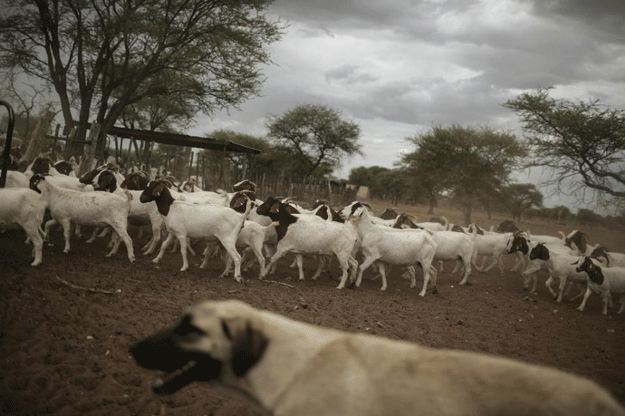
(63, 350)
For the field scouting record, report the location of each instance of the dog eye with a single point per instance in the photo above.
(186, 329)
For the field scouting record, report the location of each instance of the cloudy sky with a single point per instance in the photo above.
(399, 67)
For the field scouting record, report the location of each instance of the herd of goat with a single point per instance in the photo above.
(237, 222)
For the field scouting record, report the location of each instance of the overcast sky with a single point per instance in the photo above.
(399, 67)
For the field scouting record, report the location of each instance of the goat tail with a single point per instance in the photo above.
(248, 207)
(272, 225)
(474, 233)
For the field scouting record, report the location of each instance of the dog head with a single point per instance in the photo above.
(212, 341)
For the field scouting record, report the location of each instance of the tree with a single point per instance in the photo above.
(392, 183)
(157, 113)
(369, 176)
(270, 161)
(426, 171)
(583, 143)
(315, 138)
(588, 217)
(113, 54)
(465, 161)
(518, 198)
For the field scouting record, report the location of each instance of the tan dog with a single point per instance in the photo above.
(293, 368)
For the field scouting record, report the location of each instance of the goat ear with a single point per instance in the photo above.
(248, 344)
(275, 208)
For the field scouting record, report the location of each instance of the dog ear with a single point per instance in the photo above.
(248, 344)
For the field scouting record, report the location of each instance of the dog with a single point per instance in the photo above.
(294, 368)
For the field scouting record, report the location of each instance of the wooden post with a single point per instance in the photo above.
(190, 164)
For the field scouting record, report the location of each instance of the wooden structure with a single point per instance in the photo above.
(181, 140)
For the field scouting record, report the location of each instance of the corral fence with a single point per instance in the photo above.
(303, 191)
(210, 166)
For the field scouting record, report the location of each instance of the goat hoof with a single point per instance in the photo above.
(435, 290)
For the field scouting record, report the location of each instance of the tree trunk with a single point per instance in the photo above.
(432, 204)
(468, 210)
(87, 161)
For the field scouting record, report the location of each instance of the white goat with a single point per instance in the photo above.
(603, 280)
(85, 208)
(450, 245)
(16, 179)
(185, 220)
(560, 265)
(536, 262)
(25, 208)
(608, 258)
(494, 245)
(140, 214)
(392, 246)
(253, 236)
(302, 233)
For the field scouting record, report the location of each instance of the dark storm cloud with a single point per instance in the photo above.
(605, 16)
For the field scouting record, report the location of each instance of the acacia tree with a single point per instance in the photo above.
(426, 171)
(393, 184)
(270, 161)
(465, 161)
(315, 138)
(518, 198)
(583, 143)
(112, 54)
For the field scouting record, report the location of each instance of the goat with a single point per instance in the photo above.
(389, 214)
(392, 246)
(139, 215)
(43, 166)
(244, 185)
(450, 245)
(185, 220)
(607, 258)
(603, 280)
(85, 208)
(65, 168)
(25, 208)
(560, 266)
(302, 233)
(507, 226)
(578, 241)
(494, 245)
(16, 179)
(136, 181)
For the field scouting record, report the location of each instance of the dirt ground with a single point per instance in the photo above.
(64, 350)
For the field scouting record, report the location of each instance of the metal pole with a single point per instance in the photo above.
(6, 154)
